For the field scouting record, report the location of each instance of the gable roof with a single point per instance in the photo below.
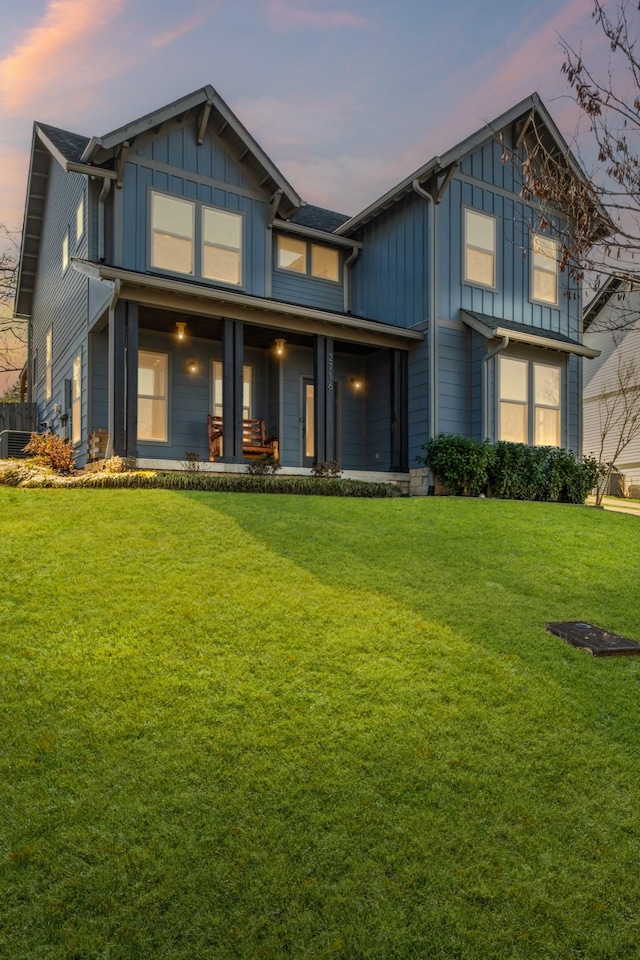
(318, 218)
(490, 327)
(207, 108)
(531, 107)
(601, 299)
(70, 145)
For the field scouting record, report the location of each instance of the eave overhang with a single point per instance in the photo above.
(215, 113)
(188, 297)
(491, 328)
(523, 111)
(285, 226)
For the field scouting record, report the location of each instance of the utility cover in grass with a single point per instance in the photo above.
(597, 641)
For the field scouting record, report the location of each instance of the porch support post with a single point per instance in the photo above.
(399, 412)
(324, 399)
(117, 372)
(232, 388)
(131, 347)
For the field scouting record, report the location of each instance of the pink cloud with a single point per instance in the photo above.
(183, 27)
(284, 15)
(50, 51)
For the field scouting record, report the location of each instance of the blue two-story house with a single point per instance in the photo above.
(170, 271)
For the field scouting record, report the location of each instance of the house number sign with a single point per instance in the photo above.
(330, 371)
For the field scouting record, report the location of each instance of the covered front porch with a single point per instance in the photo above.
(327, 388)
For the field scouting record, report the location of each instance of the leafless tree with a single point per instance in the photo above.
(619, 412)
(13, 332)
(601, 211)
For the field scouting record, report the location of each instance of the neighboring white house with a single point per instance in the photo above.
(612, 325)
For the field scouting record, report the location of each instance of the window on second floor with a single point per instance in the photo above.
(221, 245)
(544, 270)
(529, 402)
(79, 220)
(479, 248)
(172, 234)
(65, 251)
(313, 259)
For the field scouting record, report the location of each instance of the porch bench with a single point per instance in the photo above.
(255, 442)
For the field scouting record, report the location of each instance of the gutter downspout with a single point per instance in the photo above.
(111, 411)
(106, 186)
(433, 305)
(346, 276)
(489, 356)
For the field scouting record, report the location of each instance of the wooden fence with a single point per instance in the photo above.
(18, 416)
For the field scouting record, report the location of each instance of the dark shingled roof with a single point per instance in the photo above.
(494, 322)
(70, 145)
(319, 218)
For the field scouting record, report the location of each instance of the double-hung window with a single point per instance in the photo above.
(153, 395)
(172, 234)
(480, 248)
(529, 402)
(221, 245)
(544, 270)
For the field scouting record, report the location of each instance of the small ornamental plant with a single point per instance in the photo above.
(263, 466)
(50, 450)
(326, 468)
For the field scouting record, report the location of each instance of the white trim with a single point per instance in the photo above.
(368, 476)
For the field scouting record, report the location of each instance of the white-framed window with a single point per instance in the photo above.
(153, 396)
(313, 259)
(216, 389)
(544, 270)
(65, 251)
(79, 221)
(76, 398)
(48, 365)
(221, 245)
(529, 402)
(480, 231)
(547, 382)
(172, 234)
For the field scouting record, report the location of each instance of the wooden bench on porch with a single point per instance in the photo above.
(255, 442)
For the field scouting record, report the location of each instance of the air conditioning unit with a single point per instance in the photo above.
(12, 444)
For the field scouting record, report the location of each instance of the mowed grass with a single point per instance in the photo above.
(238, 726)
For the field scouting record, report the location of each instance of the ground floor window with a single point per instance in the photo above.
(153, 369)
(247, 390)
(76, 395)
(529, 402)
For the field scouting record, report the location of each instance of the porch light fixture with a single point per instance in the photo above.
(280, 346)
(356, 384)
(181, 329)
(192, 366)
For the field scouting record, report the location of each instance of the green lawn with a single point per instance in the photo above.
(238, 726)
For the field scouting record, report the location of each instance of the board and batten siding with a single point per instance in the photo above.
(176, 165)
(511, 299)
(60, 299)
(390, 278)
(307, 291)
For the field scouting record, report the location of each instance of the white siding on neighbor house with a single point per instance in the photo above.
(601, 379)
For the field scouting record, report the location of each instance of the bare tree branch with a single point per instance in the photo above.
(13, 332)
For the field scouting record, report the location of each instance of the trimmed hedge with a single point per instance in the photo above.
(21, 474)
(510, 471)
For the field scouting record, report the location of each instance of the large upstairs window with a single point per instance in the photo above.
(195, 240)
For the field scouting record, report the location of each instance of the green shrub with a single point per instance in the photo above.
(510, 471)
(52, 451)
(460, 463)
(119, 464)
(264, 465)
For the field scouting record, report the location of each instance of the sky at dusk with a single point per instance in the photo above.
(347, 98)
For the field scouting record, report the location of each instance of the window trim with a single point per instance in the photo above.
(167, 398)
(308, 259)
(465, 246)
(533, 299)
(531, 404)
(197, 211)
